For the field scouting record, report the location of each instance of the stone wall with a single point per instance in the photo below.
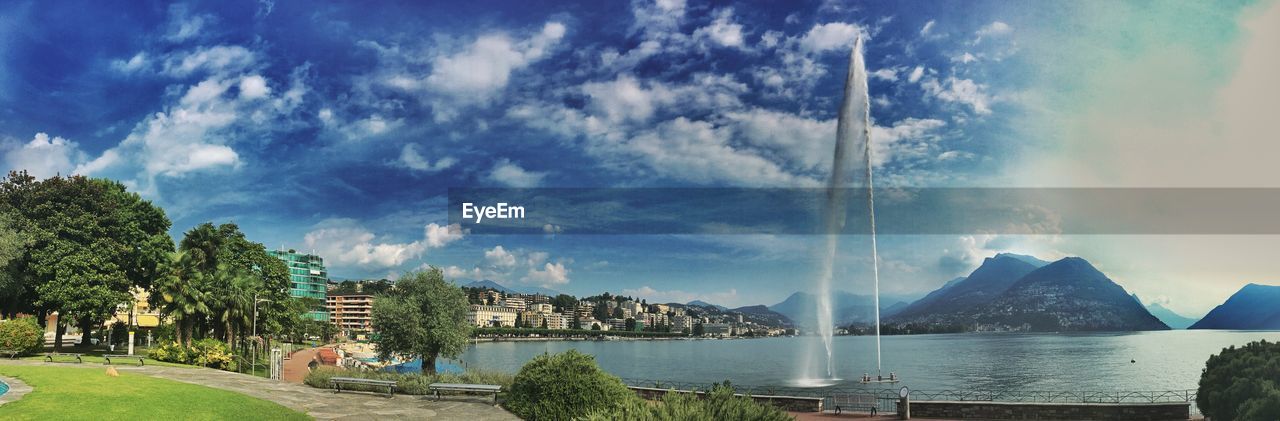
(1050, 411)
(786, 403)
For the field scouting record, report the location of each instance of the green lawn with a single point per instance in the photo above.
(74, 393)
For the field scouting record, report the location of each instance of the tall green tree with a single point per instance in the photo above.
(89, 241)
(13, 293)
(423, 317)
(181, 295)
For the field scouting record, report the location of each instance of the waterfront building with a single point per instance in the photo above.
(351, 313)
(717, 329)
(660, 308)
(681, 322)
(584, 309)
(515, 303)
(566, 320)
(617, 324)
(307, 278)
(542, 308)
(491, 316)
(555, 321)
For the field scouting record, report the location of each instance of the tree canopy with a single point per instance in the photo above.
(1242, 383)
(88, 242)
(423, 317)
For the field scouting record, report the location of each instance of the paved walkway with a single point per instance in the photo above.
(319, 403)
(295, 368)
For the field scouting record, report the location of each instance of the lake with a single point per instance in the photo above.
(1163, 360)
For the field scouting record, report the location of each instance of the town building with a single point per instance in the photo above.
(491, 316)
(542, 308)
(515, 303)
(307, 279)
(351, 313)
(717, 329)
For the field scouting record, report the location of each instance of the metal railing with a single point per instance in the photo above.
(886, 399)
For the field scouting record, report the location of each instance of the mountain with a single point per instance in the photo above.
(1254, 307)
(893, 309)
(1066, 295)
(762, 315)
(988, 281)
(846, 307)
(530, 290)
(1174, 320)
(490, 285)
(701, 303)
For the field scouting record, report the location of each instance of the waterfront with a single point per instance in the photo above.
(1162, 360)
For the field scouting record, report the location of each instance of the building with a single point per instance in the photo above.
(542, 308)
(717, 329)
(660, 308)
(351, 312)
(491, 316)
(515, 303)
(307, 278)
(617, 324)
(681, 323)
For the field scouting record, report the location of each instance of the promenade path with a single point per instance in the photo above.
(295, 368)
(318, 403)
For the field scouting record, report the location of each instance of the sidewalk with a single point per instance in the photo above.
(295, 368)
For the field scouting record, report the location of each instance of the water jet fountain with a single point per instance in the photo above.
(850, 171)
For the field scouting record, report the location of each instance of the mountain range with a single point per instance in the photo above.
(485, 283)
(847, 307)
(1254, 307)
(1169, 317)
(1016, 292)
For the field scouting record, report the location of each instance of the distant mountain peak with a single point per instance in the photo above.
(1032, 260)
(1252, 307)
(701, 303)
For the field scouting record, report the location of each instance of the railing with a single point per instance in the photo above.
(887, 399)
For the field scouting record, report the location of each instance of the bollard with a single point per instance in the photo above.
(904, 403)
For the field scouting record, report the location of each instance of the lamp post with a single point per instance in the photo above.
(253, 364)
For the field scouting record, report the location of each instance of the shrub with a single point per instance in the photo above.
(1242, 383)
(563, 387)
(720, 404)
(205, 352)
(119, 334)
(22, 334)
(409, 384)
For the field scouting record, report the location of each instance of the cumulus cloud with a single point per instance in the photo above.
(183, 25)
(830, 36)
(723, 31)
(43, 156)
(916, 74)
(412, 159)
(962, 91)
(996, 28)
(519, 265)
(347, 242)
(510, 174)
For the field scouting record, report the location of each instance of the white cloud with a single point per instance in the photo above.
(183, 25)
(550, 275)
(928, 27)
(806, 143)
(965, 58)
(916, 74)
(499, 257)
(133, 64)
(253, 87)
(410, 158)
(486, 65)
(994, 28)
(963, 91)
(886, 74)
(218, 59)
(510, 174)
(701, 152)
(43, 156)
(346, 242)
(830, 36)
(723, 30)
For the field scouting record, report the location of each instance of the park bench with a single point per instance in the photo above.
(106, 358)
(49, 356)
(858, 402)
(13, 353)
(337, 383)
(471, 388)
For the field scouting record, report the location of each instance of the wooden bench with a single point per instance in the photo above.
(471, 388)
(106, 358)
(13, 353)
(49, 356)
(337, 383)
(865, 403)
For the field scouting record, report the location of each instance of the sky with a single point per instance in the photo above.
(339, 127)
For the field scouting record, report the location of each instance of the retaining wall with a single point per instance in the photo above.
(1050, 411)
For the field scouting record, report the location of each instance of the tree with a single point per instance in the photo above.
(617, 312)
(1242, 383)
(12, 291)
(630, 324)
(564, 302)
(544, 323)
(424, 317)
(89, 242)
(698, 330)
(519, 320)
(181, 296)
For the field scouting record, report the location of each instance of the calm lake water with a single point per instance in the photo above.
(1168, 360)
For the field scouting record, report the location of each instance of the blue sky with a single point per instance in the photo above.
(339, 127)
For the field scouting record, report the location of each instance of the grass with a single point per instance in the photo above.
(94, 356)
(74, 393)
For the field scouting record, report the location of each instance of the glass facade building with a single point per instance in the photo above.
(307, 277)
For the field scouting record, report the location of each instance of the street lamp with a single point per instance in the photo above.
(253, 364)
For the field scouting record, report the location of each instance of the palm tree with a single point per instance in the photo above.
(180, 294)
(202, 243)
(234, 298)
